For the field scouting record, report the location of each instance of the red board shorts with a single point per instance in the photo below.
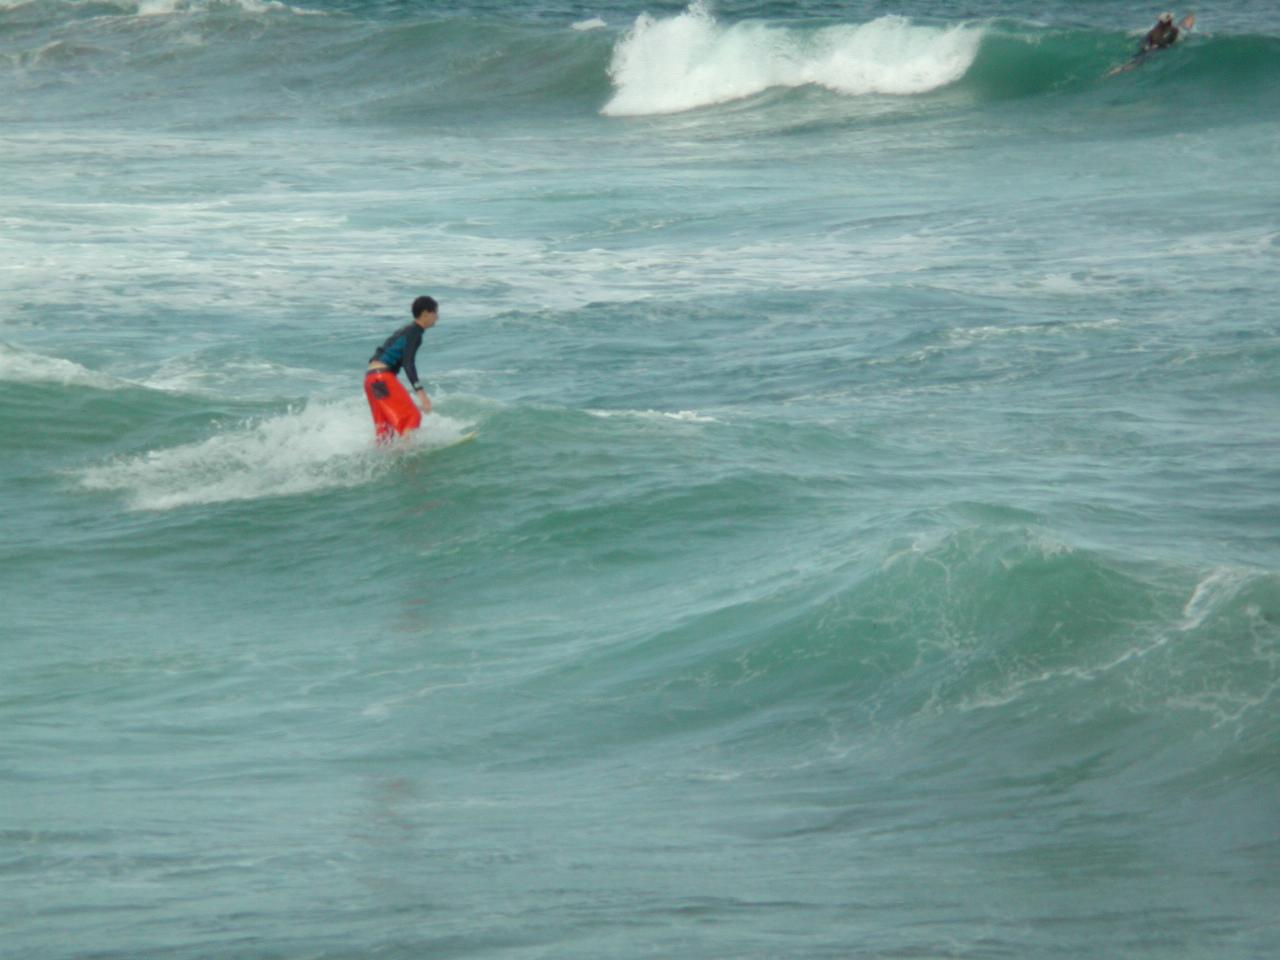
(393, 409)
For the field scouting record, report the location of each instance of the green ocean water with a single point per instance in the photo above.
(870, 546)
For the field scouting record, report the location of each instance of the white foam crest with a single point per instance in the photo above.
(594, 23)
(690, 60)
(22, 366)
(320, 446)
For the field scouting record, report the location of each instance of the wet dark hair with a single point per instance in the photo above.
(424, 305)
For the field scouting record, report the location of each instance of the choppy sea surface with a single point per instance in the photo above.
(870, 547)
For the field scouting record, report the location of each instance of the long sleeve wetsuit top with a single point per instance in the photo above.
(401, 350)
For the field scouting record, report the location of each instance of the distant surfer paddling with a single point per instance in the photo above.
(393, 409)
(1163, 34)
(1160, 37)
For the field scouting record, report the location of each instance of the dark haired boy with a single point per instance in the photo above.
(392, 407)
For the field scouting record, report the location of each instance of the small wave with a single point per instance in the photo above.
(691, 60)
(21, 366)
(964, 621)
(321, 446)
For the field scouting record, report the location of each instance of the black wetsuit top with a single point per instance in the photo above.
(1161, 35)
(401, 350)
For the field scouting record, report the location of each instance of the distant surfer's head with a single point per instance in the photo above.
(1166, 18)
(424, 305)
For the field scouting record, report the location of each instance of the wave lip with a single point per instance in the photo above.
(691, 61)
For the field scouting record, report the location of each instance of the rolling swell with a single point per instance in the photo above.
(55, 405)
(190, 60)
(986, 626)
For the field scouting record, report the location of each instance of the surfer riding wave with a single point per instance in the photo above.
(393, 409)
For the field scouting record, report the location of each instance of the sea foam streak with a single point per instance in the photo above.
(157, 8)
(691, 60)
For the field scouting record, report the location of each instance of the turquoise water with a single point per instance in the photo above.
(871, 543)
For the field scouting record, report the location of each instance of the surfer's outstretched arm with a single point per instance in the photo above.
(425, 311)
